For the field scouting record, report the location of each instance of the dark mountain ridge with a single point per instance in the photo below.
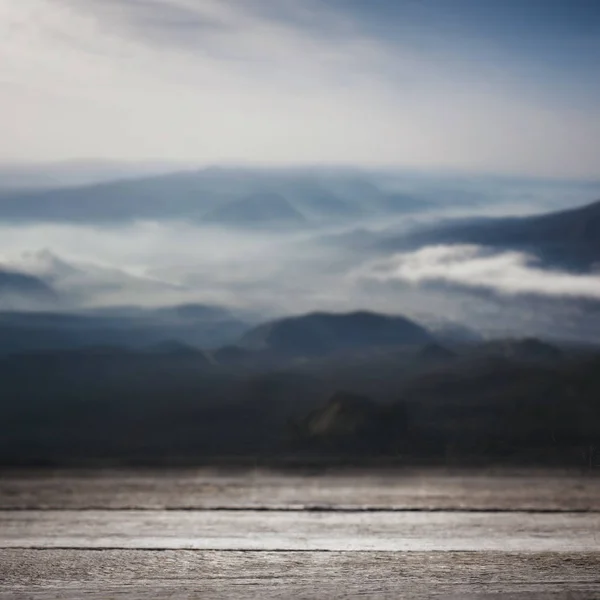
(565, 239)
(23, 289)
(193, 325)
(325, 333)
(15, 281)
(162, 406)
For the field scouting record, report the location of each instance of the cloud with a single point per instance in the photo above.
(269, 82)
(159, 263)
(507, 273)
(167, 263)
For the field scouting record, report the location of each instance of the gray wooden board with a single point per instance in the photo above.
(190, 534)
(207, 488)
(285, 530)
(135, 574)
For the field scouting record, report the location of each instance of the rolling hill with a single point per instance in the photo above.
(319, 334)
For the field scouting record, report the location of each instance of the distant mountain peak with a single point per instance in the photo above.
(20, 289)
(322, 333)
(434, 352)
(257, 209)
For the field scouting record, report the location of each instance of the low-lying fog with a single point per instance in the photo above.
(327, 264)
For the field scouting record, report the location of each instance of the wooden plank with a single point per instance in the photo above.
(545, 542)
(205, 488)
(134, 574)
(250, 530)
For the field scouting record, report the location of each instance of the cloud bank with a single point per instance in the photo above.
(168, 263)
(159, 263)
(507, 273)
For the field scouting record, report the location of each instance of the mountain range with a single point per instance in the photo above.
(560, 240)
(82, 378)
(130, 328)
(482, 403)
(238, 197)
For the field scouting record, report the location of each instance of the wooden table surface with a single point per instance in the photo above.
(211, 534)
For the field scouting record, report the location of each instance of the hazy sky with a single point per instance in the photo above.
(492, 85)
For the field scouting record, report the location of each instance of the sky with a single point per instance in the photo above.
(509, 86)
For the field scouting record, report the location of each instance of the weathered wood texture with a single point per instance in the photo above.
(206, 488)
(276, 530)
(190, 534)
(53, 574)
